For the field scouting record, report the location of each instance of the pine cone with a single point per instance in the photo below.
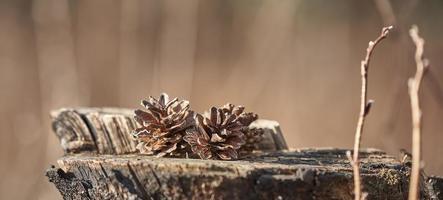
(163, 126)
(253, 137)
(221, 134)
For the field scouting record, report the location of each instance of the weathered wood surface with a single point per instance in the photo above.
(434, 187)
(302, 174)
(108, 131)
(101, 163)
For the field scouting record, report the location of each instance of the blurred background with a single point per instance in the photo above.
(294, 61)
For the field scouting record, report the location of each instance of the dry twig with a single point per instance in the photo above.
(414, 86)
(365, 106)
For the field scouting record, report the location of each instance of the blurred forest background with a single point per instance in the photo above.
(294, 61)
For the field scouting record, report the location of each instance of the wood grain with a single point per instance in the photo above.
(296, 174)
(108, 131)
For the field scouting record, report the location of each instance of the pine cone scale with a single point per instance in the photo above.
(163, 100)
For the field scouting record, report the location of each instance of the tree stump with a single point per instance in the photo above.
(101, 163)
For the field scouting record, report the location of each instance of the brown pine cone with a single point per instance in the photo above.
(221, 134)
(163, 126)
(253, 137)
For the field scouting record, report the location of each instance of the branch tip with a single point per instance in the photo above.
(426, 63)
(385, 31)
(368, 106)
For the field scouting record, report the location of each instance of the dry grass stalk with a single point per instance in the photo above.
(414, 86)
(365, 106)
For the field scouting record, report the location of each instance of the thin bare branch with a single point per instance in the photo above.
(365, 106)
(414, 86)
